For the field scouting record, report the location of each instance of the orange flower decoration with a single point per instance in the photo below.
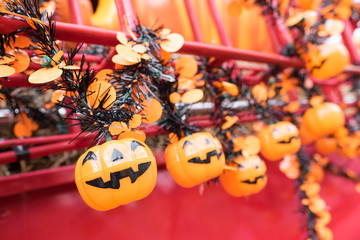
(172, 42)
(129, 130)
(129, 52)
(52, 70)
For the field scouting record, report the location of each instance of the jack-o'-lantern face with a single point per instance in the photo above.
(326, 60)
(245, 176)
(195, 159)
(115, 173)
(278, 140)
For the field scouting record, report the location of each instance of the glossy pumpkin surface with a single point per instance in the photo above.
(278, 140)
(324, 119)
(195, 159)
(115, 173)
(326, 60)
(247, 177)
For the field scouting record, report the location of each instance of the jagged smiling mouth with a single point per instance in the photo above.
(288, 141)
(208, 157)
(255, 180)
(115, 177)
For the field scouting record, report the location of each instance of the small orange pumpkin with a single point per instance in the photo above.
(326, 60)
(115, 173)
(324, 119)
(244, 177)
(195, 159)
(278, 140)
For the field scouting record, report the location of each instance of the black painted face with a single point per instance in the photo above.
(117, 156)
(190, 145)
(248, 181)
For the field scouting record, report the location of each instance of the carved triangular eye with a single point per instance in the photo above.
(186, 143)
(207, 141)
(89, 156)
(135, 144)
(117, 155)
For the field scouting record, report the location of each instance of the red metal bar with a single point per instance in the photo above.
(126, 13)
(193, 21)
(347, 39)
(75, 11)
(224, 38)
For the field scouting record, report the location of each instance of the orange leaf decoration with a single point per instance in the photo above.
(230, 121)
(230, 88)
(251, 145)
(172, 43)
(96, 93)
(192, 96)
(186, 66)
(290, 167)
(173, 138)
(21, 130)
(122, 38)
(175, 97)
(103, 74)
(238, 144)
(317, 204)
(135, 121)
(6, 70)
(116, 128)
(316, 101)
(45, 75)
(259, 92)
(58, 96)
(22, 61)
(133, 133)
(152, 110)
(295, 19)
(292, 107)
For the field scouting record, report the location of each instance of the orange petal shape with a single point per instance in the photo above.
(122, 38)
(231, 88)
(116, 128)
(45, 75)
(6, 70)
(186, 66)
(152, 110)
(252, 145)
(192, 96)
(135, 121)
(96, 93)
(21, 130)
(127, 53)
(58, 96)
(103, 74)
(134, 133)
(173, 42)
(174, 97)
(22, 61)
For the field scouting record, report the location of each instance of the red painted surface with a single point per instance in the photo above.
(171, 212)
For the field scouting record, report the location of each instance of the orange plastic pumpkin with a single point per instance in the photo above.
(326, 145)
(195, 159)
(324, 119)
(115, 173)
(244, 177)
(326, 60)
(278, 140)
